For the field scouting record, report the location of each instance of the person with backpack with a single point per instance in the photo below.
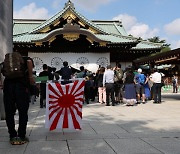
(18, 78)
(140, 81)
(118, 83)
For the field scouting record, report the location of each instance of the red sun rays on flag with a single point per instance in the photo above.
(65, 104)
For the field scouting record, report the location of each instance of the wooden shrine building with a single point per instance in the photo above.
(171, 57)
(69, 36)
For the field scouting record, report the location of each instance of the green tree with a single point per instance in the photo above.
(165, 46)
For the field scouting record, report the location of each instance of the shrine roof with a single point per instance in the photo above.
(21, 26)
(28, 38)
(112, 31)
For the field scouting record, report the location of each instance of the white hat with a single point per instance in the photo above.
(139, 70)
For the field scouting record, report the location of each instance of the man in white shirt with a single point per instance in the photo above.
(108, 82)
(156, 78)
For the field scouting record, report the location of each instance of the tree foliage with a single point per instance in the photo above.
(156, 39)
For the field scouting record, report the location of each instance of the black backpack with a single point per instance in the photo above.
(13, 66)
(118, 75)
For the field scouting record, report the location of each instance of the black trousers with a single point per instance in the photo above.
(175, 88)
(16, 96)
(110, 93)
(86, 94)
(157, 92)
(92, 93)
(42, 94)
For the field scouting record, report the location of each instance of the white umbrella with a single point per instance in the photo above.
(92, 67)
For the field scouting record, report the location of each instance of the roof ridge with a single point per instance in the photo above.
(148, 42)
(116, 27)
(69, 3)
(36, 29)
(68, 6)
(122, 36)
(91, 22)
(16, 35)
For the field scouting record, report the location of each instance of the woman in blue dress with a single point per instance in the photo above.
(130, 91)
(147, 88)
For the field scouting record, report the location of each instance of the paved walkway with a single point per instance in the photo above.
(143, 129)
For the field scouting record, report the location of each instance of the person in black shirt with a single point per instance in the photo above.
(45, 72)
(65, 72)
(130, 92)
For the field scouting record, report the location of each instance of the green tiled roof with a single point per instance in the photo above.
(24, 26)
(27, 38)
(147, 45)
(112, 27)
(61, 13)
(116, 38)
(49, 21)
(90, 23)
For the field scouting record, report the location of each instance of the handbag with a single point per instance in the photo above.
(162, 83)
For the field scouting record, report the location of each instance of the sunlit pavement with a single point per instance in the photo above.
(143, 129)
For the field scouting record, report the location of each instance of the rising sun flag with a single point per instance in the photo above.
(64, 105)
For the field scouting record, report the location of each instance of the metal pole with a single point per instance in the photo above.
(6, 38)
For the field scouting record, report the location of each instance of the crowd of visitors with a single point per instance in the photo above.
(111, 86)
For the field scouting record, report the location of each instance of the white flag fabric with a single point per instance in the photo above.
(64, 105)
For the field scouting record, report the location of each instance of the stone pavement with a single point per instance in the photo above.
(143, 129)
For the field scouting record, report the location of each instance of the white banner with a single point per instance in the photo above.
(64, 105)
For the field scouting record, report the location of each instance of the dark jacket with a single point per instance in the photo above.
(99, 80)
(65, 72)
